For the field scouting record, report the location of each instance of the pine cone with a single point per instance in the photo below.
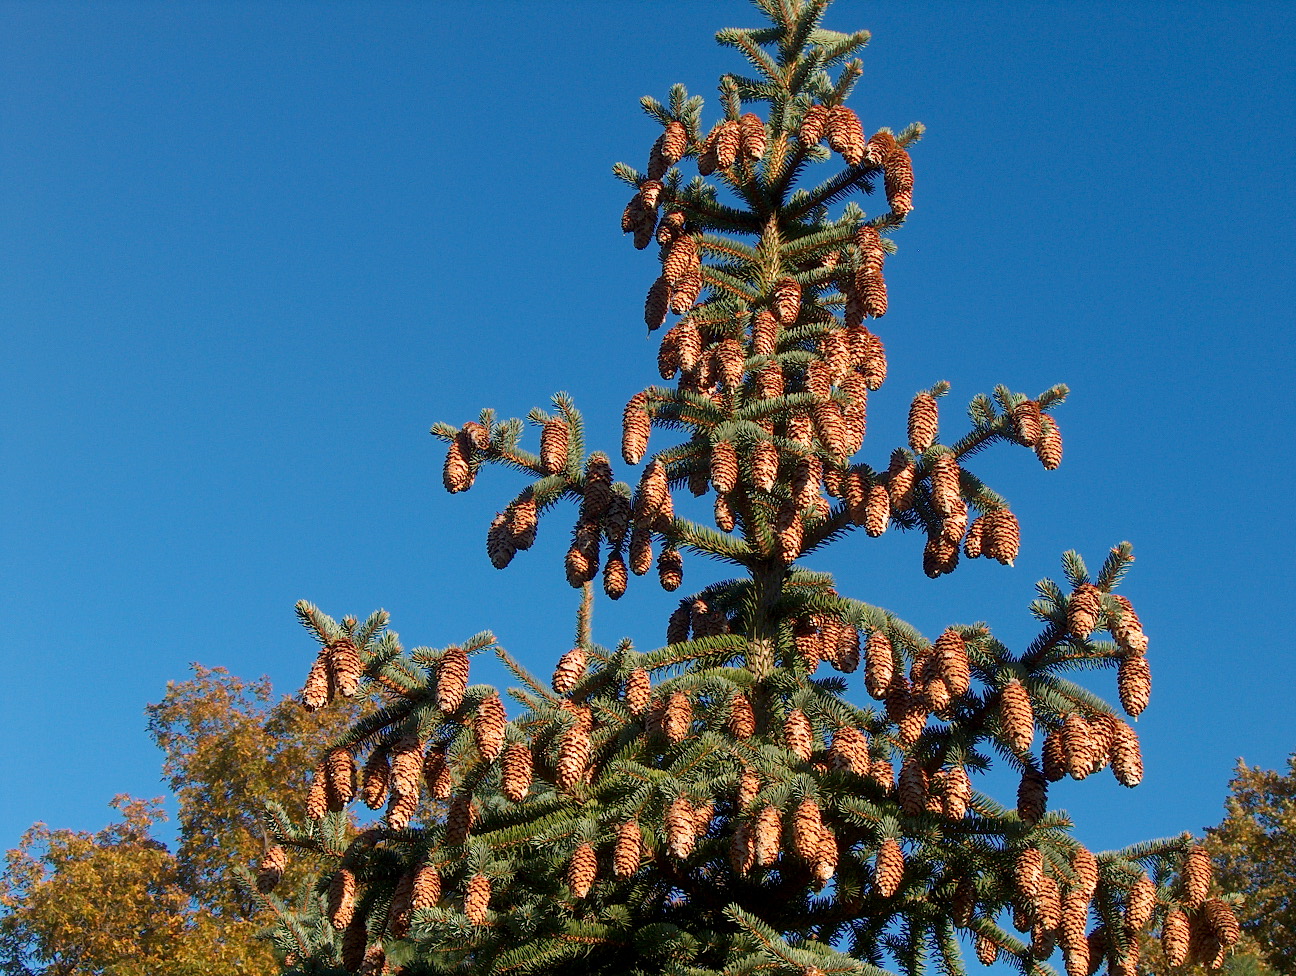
(570, 670)
(940, 555)
(1002, 538)
(641, 552)
(879, 664)
(582, 869)
(882, 773)
(678, 824)
(951, 658)
(674, 142)
(344, 663)
(912, 788)
(703, 813)
(957, 793)
(1127, 758)
(798, 735)
(812, 127)
(340, 766)
(752, 136)
(670, 569)
(354, 939)
(901, 477)
(452, 679)
(1032, 796)
(899, 181)
(315, 693)
(678, 717)
(1077, 746)
(553, 446)
(271, 869)
(516, 772)
(765, 463)
(806, 824)
(727, 142)
(1134, 682)
(657, 302)
(573, 757)
(724, 467)
(749, 784)
(685, 292)
(615, 576)
(889, 871)
(376, 779)
(401, 907)
(1053, 756)
(1016, 717)
(638, 691)
(787, 300)
(1026, 422)
(437, 775)
(1048, 905)
(844, 653)
(879, 144)
(1075, 920)
(681, 258)
(742, 720)
(628, 850)
(877, 510)
(729, 361)
(500, 548)
(1083, 609)
(477, 899)
(944, 484)
(488, 727)
(457, 473)
(677, 627)
(1140, 902)
(634, 428)
(459, 820)
(789, 531)
(871, 288)
(768, 830)
(1085, 867)
(845, 134)
(769, 381)
(1049, 446)
(922, 424)
(670, 227)
(401, 809)
(987, 950)
(1028, 875)
(653, 504)
(341, 899)
(724, 514)
(1174, 937)
(1127, 628)
(1196, 874)
(850, 750)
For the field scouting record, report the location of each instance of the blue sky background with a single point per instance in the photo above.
(250, 252)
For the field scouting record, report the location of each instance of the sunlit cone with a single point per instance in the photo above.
(912, 788)
(315, 693)
(882, 773)
(270, 871)
(1134, 682)
(553, 446)
(516, 772)
(1074, 922)
(678, 717)
(1002, 538)
(871, 289)
(1048, 904)
(641, 552)
(674, 142)
(488, 726)
(670, 227)
(879, 144)
(438, 777)
(836, 353)
(401, 810)
(653, 502)
(1221, 920)
(764, 462)
(724, 466)
(850, 751)
(703, 813)
(634, 428)
(742, 720)
(452, 679)
(987, 949)
(798, 735)
(627, 853)
(751, 133)
(345, 666)
(638, 691)
(1032, 796)
(457, 473)
(832, 429)
(806, 824)
(684, 293)
(806, 480)
(940, 555)
(808, 643)
(1043, 941)
(951, 659)
(1053, 756)
(845, 134)
(706, 160)
(354, 939)
(615, 576)
(729, 359)
(768, 830)
(877, 510)
(1174, 937)
(1140, 902)
(376, 779)
(500, 547)
(521, 518)
(727, 141)
(769, 382)
(1196, 875)
(681, 258)
(1016, 717)
(459, 819)
(956, 794)
(570, 669)
(899, 181)
(889, 871)
(954, 524)
(787, 300)
(341, 898)
(902, 475)
(870, 247)
(749, 784)
(657, 302)
(800, 429)
(670, 569)
(582, 870)
(811, 130)
(1048, 448)
(879, 664)
(944, 483)
(1028, 875)
(678, 826)
(1077, 746)
(845, 656)
(874, 366)
(1127, 628)
(477, 899)
(1085, 867)
(973, 541)
(1026, 422)
(789, 531)
(1083, 610)
(1127, 757)
(923, 422)
(573, 757)
(341, 778)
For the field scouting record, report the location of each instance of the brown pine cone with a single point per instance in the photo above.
(674, 142)
(457, 474)
(850, 750)
(341, 899)
(488, 727)
(742, 848)
(638, 691)
(553, 446)
(898, 175)
(724, 514)
(627, 853)
(615, 576)
(769, 381)
(641, 552)
(1196, 874)
(949, 655)
(800, 429)
(1054, 757)
(729, 361)
(724, 467)
(812, 127)
(1028, 875)
(684, 293)
(742, 720)
(376, 778)
(571, 668)
(765, 463)
(789, 531)
(1127, 757)
(751, 136)
(670, 569)
(882, 773)
(749, 784)
(354, 939)
(889, 871)
(923, 423)
(1026, 422)
(855, 494)
(522, 516)
(1222, 921)
(677, 627)
(940, 555)
(1134, 682)
(1048, 448)
(477, 899)
(500, 547)
(426, 887)
(844, 653)
(764, 333)
(808, 643)
(270, 871)
(1127, 628)
(987, 949)
(1032, 796)
(869, 242)
(678, 717)
(678, 825)
(787, 300)
(1140, 902)
(1002, 538)
(877, 510)
(401, 906)
(437, 775)
(315, 693)
(798, 735)
(879, 664)
(516, 772)
(635, 427)
(573, 757)
(766, 835)
(1083, 609)
(879, 144)
(912, 788)
(1077, 746)
(958, 793)
(407, 766)
(944, 483)
(901, 477)
(340, 767)
(727, 141)
(670, 227)
(681, 258)
(1016, 717)
(870, 286)
(1085, 867)
(452, 679)
(459, 820)
(1048, 906)
(401, 809)
(845, 134)
(976, 533)
(582, 869)
(806, 825)
(657, 302)
(1175, 936)
(345, 666)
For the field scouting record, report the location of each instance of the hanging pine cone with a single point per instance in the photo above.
(882, 773)
(922, 423)
(354, 939)
(1196, 874)
(634, 428)
(681, 258)
(798, 735)
(401, 809)
(813, 123)
(808, 643)
(638, 691)
(670, 569)
(877, 509)
(628, 850)
(670, 227)
(678, 717)
(1026, 422)
(1127, 628)
(766, 835)
(516, 772)
(899, 181)
(789, 531)
(488, 727)
(949, 654)
(459, 820)
(582, 869)
(452, 679)
(375, 780)
(271, 869)
(315, 693)
(401, 907)
(1085, 867)
(1074, 922)
(1048, 904)
(769, 381)
(641, 552)
(844, 654)
(751, 136)
(1028, 875)
(553, 446)
(344, 663)
(845, 134)
(653, 504)
(879, 664)
(889, 871)
(678, 824)
(1127, 757)
(615, 576)
(1134, 682)
(1053, 756)
(657, 303)
(457, 473)
(729, 360)
(570, 670)
(1083, 610)
(912, 788)
(406, 766)
(674, 142)
(976, 533)
(573, 757)
(765, 463)
(1175, 937)
(944, 484)
(953, 525)
(1032, 796)
(677, 627)
(742, 720)
(341, 899)
(871, 289)
(902, 475)
(727, 140)
(684, 293)
(1077, 746)
(703, 813)
(987, 949)
(477, 899)
(437, 775)
(1048, 448)
(787, 300)
(957, 794)
(521, 518)
(340, 767)
(1140, 902)
(749, 784)
(806, 825)
(724, 467)
(1002, 536)
(764, 333)
(850, 750)
(1016, 717)
(940, 555)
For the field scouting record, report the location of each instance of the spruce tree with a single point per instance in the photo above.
(720, 803)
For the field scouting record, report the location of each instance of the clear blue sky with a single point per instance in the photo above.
(249, 252)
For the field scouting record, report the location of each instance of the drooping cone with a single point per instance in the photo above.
(341, 778)
(638, 691)
(724, 514)
(681, 258)
(845, 134)
(615, 576)
(742, 720)
(684, 293)
(1048, 448)
(674, 142)
(882, 773)
(653, 502)
(573, 757)
(1048, 905)
(923, 422)
(751, 136)
(729, 361)
(844, 651)
(749, 784)
(1175, 937)
(500, 547)
(488, 727)
(889, 871)
(765, 462)
(987, 950)
(1026, 422)
(457, 473)
(677, 627)
(899, 181)
(1134, 682)
(628, 850)
(671, 227)
(1085, 867)
(1126, 756)
(877, 509)
(879, 664)
(768, 829)
(401, 809)
(553, 446)
(459, 820)
(956, 795)
(670, 569)
(1196, 874)
(727, 140)
(678, 824)
(341, 898)
(870, 287)
(344, 663)
(902, 475)
(1083, 610)
(703, 813)
(787, 300)
(808, 643)
(950, 657)
(1140, 902)
(1032, 796)
(769, 382)
(516, 772)
(1075, 921)
(355, 937)
(402, 904)
(1028, 875)
(1127, 628)
(1053, 756)
(963, 903)
(1002, 536)
(976, 534)
(742, 848)
(641, 552)
(940, 555)
(437, 774)
(1077, 746)
(789, 532)
(806, 824)
(724, 467)
(570, 669)
(477, 898)
(1016, 717)
(912, 788)
(945, 484)
(270, 871)
(635, 427)
(582, 869)
(811, 130)
(452, 679)
(798, 735)
(376, 779)
(678, 717)
(1222, 921)
(315, 693)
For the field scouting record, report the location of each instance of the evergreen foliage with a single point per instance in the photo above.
(717, 804)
